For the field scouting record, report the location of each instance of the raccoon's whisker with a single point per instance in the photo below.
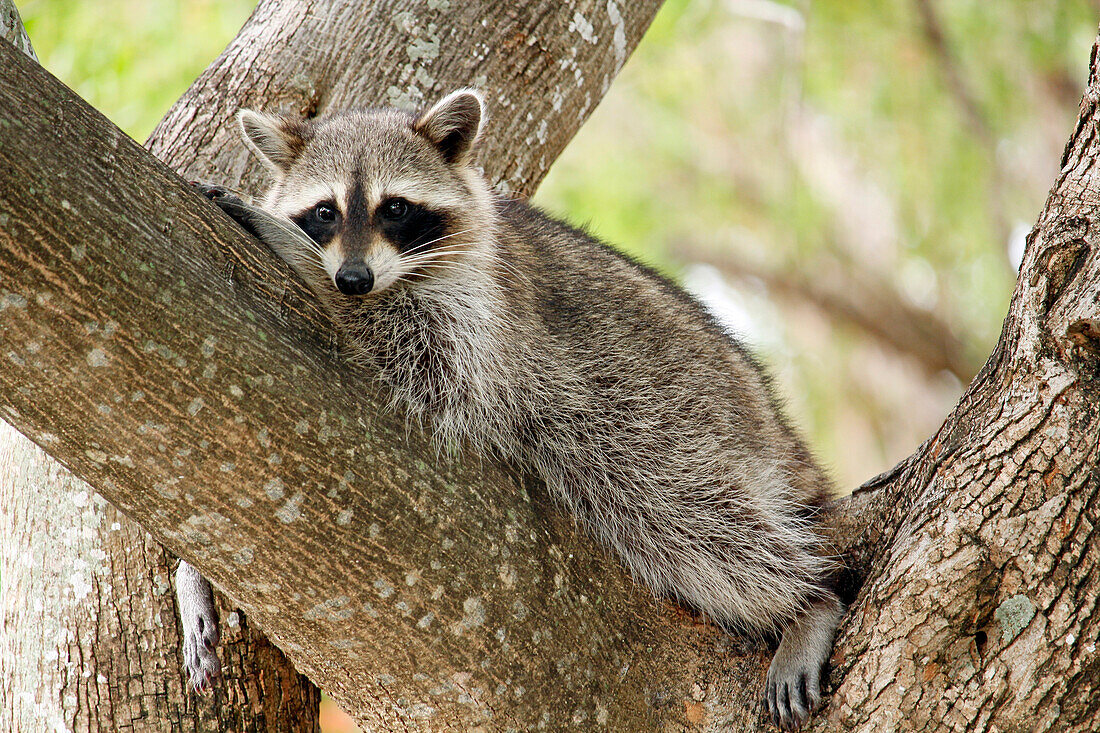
(419, 249)
(414, 249)
(436, 266)
(299, 236)
(420, 260)
(286, 226)
(446, 236)
(504, 264)
(434, 254)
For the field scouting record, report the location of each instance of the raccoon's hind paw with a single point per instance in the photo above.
(198, 628)
(793, 687)
(792, 694)
(200, 660)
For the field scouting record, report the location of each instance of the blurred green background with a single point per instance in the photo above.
(848, 183)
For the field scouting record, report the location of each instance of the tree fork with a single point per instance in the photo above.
(978, 610)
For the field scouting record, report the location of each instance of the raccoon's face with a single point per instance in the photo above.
(384, 196)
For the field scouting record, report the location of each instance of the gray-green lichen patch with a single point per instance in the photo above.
(274, 489)
(97, 357)
(290, 511)
(336, 609)
(12, 300)
(473, 615)
(1013, 615)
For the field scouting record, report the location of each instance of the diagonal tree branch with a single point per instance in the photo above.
(448, 594)
(99, 603)
(875, 307)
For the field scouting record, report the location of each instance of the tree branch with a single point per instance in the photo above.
(861, 300)
(12, 30)
(221, 413)
(543, 75)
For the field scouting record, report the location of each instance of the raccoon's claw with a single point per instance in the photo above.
(793, 688)
(200, 661)
(790, 700)
(230, 203)
(211, 191)
(198, 628)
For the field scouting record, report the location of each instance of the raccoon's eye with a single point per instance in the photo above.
(394, 209)
(325, 213)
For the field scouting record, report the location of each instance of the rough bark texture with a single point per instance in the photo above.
(90, 638)
(90, 630)
(198, 136)
(149, 343)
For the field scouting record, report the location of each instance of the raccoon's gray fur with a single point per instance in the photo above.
(508, 332)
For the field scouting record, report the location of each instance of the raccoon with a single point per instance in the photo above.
(513, 334)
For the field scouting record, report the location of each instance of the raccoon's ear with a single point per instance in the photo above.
(277, 141)
(453, 124)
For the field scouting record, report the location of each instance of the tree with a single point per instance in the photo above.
(441, 593)
(198, 137)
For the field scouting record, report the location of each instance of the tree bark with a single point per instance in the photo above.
(12, 30)
(435, 593)
(199, 137)
(90, 638)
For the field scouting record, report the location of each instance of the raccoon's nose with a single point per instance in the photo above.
(354, 279)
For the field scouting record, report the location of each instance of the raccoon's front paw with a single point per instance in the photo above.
(228, 202)
(200, 639)
(212, 192)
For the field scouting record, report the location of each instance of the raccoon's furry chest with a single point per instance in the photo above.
(445, 360)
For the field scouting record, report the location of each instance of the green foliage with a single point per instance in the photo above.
(131, 59)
